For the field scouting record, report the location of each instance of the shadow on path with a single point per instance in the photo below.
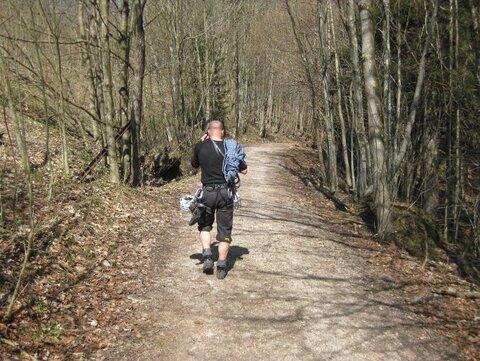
(235, 253)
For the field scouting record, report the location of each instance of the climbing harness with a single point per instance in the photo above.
(233, 155)
(188, 202)
(237, 201)
(185, 202)
(193, 203)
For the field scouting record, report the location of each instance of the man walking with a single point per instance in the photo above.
(217, 196)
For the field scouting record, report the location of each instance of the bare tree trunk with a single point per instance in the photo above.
(19, 126)
(399, 90)
(22, 147)
(207, 82)
(88, 59)
(179, 62)
(475, 5)
(359, 118)
(416, 97)
(138, 66)
(351, 121)
(458, 163)
(269, 111)
(45, 109)
(66, 166)
(375, 124)
(44, 93)
(313, 96)
(124, 118)
(201, 82)
(54, 31)
(95, 37)
(254, 96)
(108, 94)
(174, 69)
(174, 96)
(244, 114)
(324, 65)
(387, 88)
(300, 111)
(430, 194)
(237, 86)
(450, 199)
(346, 162)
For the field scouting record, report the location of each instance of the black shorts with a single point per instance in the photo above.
(220, 202)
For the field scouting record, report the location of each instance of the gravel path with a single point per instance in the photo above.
(298, 290)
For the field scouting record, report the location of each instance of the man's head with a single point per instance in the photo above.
(216, 129)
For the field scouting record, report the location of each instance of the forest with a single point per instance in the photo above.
(116, 93)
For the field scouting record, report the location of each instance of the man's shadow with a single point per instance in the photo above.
(235, 253)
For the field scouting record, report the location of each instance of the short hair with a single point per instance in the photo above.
(216, 124)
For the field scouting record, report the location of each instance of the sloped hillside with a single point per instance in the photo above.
(89, 249)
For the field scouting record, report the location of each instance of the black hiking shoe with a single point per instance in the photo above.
(221, 273)
(208, 265)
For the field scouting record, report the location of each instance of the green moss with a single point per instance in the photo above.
(416, 232)
(413, 230)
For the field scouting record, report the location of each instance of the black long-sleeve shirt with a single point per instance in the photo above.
(210, 161)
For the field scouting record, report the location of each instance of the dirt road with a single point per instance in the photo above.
(298, 288)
